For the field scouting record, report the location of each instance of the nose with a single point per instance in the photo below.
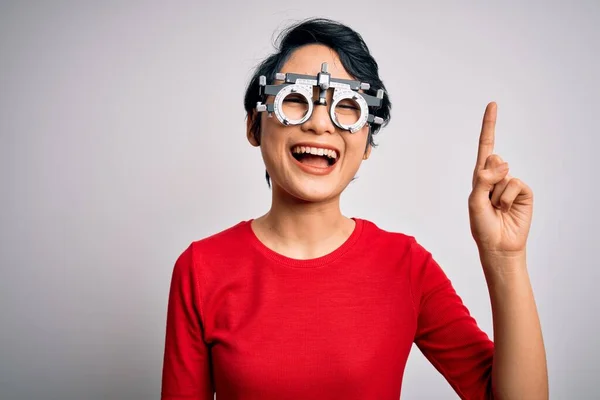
(320, 121)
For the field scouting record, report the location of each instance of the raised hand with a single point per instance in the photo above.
(500, 206)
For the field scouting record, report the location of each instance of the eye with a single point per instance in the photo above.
(348, 105)
(347, 112)
(295, 98)
(294, 106)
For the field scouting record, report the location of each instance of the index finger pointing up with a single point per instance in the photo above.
(487, 136)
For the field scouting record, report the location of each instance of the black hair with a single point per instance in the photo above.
(349, 46)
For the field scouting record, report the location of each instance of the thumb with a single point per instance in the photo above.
(485, 179)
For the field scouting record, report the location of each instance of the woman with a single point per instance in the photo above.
(304, 302)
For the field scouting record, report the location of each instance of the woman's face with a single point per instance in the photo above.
(313, 178)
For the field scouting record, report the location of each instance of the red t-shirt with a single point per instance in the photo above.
(249, 323)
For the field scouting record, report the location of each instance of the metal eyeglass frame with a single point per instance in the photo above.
(343, 89)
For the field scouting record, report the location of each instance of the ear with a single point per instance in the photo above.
(367, 152)
(250, 118)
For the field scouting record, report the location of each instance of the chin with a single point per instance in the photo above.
(313, 192)
(309, 184)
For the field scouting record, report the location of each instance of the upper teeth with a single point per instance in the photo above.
(315, 150)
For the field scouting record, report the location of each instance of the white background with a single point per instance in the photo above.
(123, 140)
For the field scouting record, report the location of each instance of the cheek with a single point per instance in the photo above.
(356, 143)
(272, 143)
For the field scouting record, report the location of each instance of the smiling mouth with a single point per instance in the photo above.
(315, 156)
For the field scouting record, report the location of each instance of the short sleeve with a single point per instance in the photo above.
(186, 366)
(446, 333)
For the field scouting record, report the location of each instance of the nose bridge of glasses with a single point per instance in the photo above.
(322, 97)
(321, 106)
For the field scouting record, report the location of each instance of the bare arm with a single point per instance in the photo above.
(519, 368)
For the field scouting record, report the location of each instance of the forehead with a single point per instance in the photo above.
(308, 59)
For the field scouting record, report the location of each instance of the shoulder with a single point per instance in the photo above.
(225, 240)
(395, 242)
(387, 237)
(225, 237)
(424, 274)
(216, 245)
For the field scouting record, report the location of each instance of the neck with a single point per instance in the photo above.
(302, 229)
